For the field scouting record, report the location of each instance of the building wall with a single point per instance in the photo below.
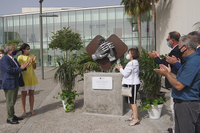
(174, 15)
(37, 9)
(1, 31)
(89, 22)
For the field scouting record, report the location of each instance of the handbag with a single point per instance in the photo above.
(127, 89)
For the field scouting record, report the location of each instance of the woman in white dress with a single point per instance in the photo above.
(131, 78)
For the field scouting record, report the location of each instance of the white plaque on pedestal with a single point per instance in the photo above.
(102, 82)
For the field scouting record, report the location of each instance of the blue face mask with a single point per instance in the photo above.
(14, 52)
(168, 44)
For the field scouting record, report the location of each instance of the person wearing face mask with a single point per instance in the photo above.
(185, 91)
(30, 80)
(131, 78)
(174, 61)
(12, 79)
(172, 42)
(177, 64)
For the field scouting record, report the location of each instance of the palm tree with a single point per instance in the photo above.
(153, 22)
(197, 26)
(145, 17)
(137, 8)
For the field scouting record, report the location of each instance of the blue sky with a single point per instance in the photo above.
(15, 6)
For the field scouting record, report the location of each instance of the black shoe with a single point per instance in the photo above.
(12, 121)
(18, 118)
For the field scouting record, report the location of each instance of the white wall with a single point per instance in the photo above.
(175, 15)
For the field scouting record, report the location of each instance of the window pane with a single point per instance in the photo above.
(87, 24)
(10, 33)
(128, 42)
(36, 28)
(23, 28)
(119, 22)
(16, 28)
(72, 21)
(95, 23)
(136, 42)
(30, 36)
(45, 54)
(64, 19)
(44, 27)
(5, 30)
(1, 31)
(111, 21)
(50, 28)
(57, 21)
(127, 26)
(103, 22)
(36, 48)
(79, 22)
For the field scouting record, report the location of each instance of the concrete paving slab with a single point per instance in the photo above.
(52, 118)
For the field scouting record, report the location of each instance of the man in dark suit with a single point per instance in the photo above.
(11, 80)
(172, 42)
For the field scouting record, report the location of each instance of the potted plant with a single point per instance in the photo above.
(66, 40)
(65, 75)
(153, 106)
(150, 95)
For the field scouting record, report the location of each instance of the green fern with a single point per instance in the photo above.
(150, 79)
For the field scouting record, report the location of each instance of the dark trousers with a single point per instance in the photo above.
(186, 115)
(197, 130)
(11, 98)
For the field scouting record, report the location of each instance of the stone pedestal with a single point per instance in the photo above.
(104, 101)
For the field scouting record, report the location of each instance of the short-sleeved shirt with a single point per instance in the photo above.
(177, 65)
(189, 75)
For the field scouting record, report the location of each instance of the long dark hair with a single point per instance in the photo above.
(23, 47)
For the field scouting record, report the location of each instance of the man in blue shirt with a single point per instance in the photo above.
(177, 64)
(186, 85)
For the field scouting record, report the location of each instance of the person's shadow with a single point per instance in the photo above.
(49, 107)
(162, 24)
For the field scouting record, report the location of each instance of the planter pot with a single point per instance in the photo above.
(63, 102)
(144, 95)
(155, 112)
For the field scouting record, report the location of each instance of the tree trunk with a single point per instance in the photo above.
(147, 46)
(139, 30)
(153, 24)
(66, 55)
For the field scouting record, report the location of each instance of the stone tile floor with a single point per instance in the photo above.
(52, 118)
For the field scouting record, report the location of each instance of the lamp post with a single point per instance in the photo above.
(41, 37)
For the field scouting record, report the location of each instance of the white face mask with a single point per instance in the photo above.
(28, 51)
(128, 57)
(1, 55)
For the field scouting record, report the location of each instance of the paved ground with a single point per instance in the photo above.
(52, 118)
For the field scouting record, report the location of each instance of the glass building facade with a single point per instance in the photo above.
(89, 22)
